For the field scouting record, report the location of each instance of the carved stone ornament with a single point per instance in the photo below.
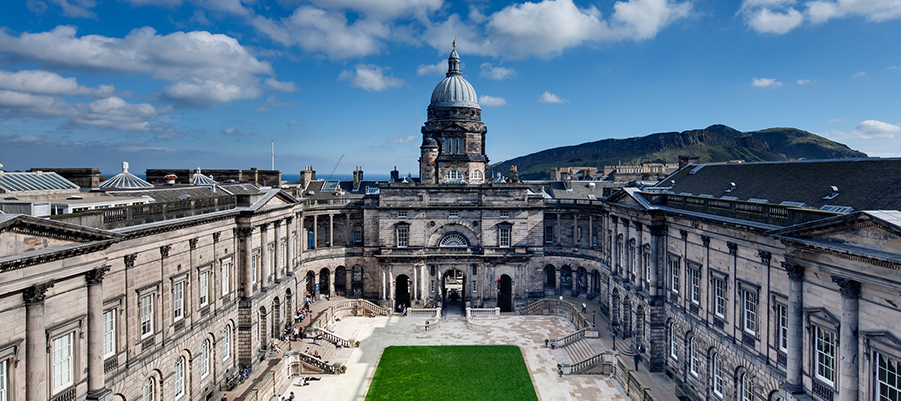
(849, 288)
(263, 226)
(164, 251)
(705, 239)
(244, 232)
(96, 276)
(289, 220)
(35, 294)
(193, 243)
(216, 236)
(733, 247)
(683, 233)
(130, 260)
(277, 224)
(765, 257)
(657, 230)
(795, 271)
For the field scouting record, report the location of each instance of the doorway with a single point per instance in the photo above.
(402, 291)
(505, 293)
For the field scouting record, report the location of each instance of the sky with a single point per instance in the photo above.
(342, 83)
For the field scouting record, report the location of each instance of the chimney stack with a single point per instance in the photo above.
(358, 177)
(306, 176)
(395, 175)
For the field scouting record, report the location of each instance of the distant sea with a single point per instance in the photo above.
(339, 177)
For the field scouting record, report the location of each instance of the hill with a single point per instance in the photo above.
(716, 143)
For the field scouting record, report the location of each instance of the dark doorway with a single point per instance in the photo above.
(453, 286)
(402, 291)
(505, 293)
(340, 281)
(566, 278)
(550, 277)
(357, 280)
(323, 282)
(311, 283)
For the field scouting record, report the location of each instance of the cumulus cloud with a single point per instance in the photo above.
(316, 30)
(403, 139)
(548, 97)
(271, 104)
(765, 83)
(369, 77)
(238, 133)
(497, 73)
(48, 83)
(286, 86)
(781, 16)
(437, 69)
(804, 81)
(869, 130)
(492, 101)
(204, 68)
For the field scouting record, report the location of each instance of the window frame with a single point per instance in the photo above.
(402, 235)
(693, 357)
(226, 343)
(178, 377)
(205, 359)
(746, 392)
(878, 383)
(720, 300)
(150, 395)
(673, 342)
(674, 265)
(254, 265)
(146, 316)
(203, 288)
(549, 234)
(225, 276)
(820, 355)
(781, 326)
(504, 233)
(401, 213)
(109, 333)
(4, 380)
(716, 366)
(68, 361)
(178, 300)
(694, 283)
(750, 311)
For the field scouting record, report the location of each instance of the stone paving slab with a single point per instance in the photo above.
(527, 332)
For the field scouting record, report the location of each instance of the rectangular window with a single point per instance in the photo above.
(633, 260)
(696, 286)
(179, 378)
(178, 301)
(717, 375)
(432, 286)
(505, 213)
(674, 274)
(782, 327)
(474, 290)
(255, 266)
(226, 270)
(504, 236)
(4, 393)
(750, 312)
(673, 342)
(61, 363)
(203, 288)
(693, 358)
(453, 213)
(825, 354)
(888, 377)
(358, 234)
(401, 213)
(403, 236)
(719, 296)
(147, 315)
(647, 267)
(109, 333)
(269, 262)
(548, 234)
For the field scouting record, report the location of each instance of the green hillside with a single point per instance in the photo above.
(717, 143)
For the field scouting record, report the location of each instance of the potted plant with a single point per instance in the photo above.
(357, 344)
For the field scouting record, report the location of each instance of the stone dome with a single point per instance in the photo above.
(454, 90)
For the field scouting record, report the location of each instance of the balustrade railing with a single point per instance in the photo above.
(334, 338)
(477, 327)
(311, 360)
(588, 332)
(558, 308)
(425, 312)
(482, 312)
(606, 358)
(428, 326)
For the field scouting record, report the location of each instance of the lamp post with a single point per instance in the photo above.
(593, 313)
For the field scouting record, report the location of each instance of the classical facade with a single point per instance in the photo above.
(742, 281)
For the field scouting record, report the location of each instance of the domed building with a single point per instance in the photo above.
(453, 137)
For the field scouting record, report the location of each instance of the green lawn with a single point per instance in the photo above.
(461, 372)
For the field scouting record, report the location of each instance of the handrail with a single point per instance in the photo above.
(571, 338)
(428, 326)
(602, 358)
(334, 338)
(316, 362)
(425, 312)
(477, 327)
(558, 308)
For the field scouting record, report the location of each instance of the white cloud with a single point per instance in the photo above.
(384, 9)
(642, 19)
(765, 83)
(238, 133)
(546, 28)
(292, 122)
(492, 101)
(328, 32)
(804, 81)
(77, 8)
(859, 74)
(48, 83)
(203, 67)
(271, 104)
(36, 6)
(369, 77)
(548, 97)
(877, 127)
(498, 73)
(781, 16)
(286, 86)
(111, 112)
(438, 69)
(403, 139)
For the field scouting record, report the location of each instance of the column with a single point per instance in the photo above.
(331, 283)
(658, 243)
(315, 231)
(266, 268)
(277, 261)
(590, 231)
(245, 235)
(382, 292)
(35, 343)
(331, 230)
(348, 236)
(559, 289)
(576, 229)
(316, 284)
(849, 379)
(794, 360)
(94, 280)
(289, 248)
(559, 233)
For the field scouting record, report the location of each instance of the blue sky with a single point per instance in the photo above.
(210, 83)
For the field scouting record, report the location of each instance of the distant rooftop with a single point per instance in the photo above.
(33, 182)
(125, 180)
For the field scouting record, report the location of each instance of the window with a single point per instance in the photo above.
(109, 333)
(226, 343)
(456, 240)
(401, 213)
(61, 363)
(548, 234)
(633, 262)
(717, 367)
(204, 288)
(888, 379)
(453, 176)
(4, 393)
(147, 315)
(750, 312)
(432, 286)
(505, 214)
(179, 378)
(782, 327)
(226, 269)
(647, 266)
(719, 295)
(746, 390)
(269, 262)
(148, 392)
(504, 236)
(695, 286)
(454, 146)
(205, 359)
(476, 175)
(453, 213)
(673, 265)
(620, 256)
(255, 265)
(178, 301)
(673, 342)
(358, 234)
(403, 236)
(693, 359)
(825, 354)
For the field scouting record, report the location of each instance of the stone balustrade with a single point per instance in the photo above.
(477, 327)
(607, 359)
(482, 312)
(428, 326)
(432, 313)
(334, 338)
(275, 379)
(635, 389)
(298, 357)
(588, 332)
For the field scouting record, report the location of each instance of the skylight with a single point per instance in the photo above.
(795, 204)
(839, 209)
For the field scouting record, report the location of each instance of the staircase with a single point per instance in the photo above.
(581, 350)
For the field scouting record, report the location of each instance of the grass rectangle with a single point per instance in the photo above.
(458, 372)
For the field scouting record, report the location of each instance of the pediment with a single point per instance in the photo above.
(871, 230)
(627, 197)
(21, 233)
(13, 243)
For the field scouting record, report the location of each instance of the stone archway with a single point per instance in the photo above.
(566, 279)
(453, 290)
(595, 282)
(276, 318)
(505, 293)
(340, 281)
(614, 303)
(311, 283)
(581, 282)
(402, 291)
(264, 339)
(550, 277)
(357, 280)
(324, 277)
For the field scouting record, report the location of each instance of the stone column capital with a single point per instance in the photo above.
(277, 224)
(244, 232)
(657, 230)
(849, 288)
(130, 260)
(289, 219)
(216, 236)
(705, 239)
(795, 271)
(263, 226)
(36, 293)
(683, 234)
(164, 251)
(96, 276)
(765, 257)
(733, 247)
(192, 243)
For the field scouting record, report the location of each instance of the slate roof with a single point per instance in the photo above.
(33, 181)
(587, 190)
(863, 184)
(327, 189)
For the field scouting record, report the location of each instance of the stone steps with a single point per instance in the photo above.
(580, 350)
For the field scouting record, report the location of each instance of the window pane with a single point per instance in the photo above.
(62, 361)
(109, 333)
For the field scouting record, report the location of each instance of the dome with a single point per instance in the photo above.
(125, 180)
(429, 142)
(454, 90)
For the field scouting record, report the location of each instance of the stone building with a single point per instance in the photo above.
(740, 281)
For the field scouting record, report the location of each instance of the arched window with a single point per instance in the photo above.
(476, 175)
(453, 176)
(746, 394)
(205, 359)
(179, 378)
(148, 392)
(717, 374)
(226, 343)
(673, 345)
(453, 240)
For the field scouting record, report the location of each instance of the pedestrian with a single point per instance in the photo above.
(636, 359)
(291, 398)
(561, 297)
(224, 397)
(584, 307)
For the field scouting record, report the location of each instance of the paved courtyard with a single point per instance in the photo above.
(527, 332)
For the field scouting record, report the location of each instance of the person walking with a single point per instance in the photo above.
(584, 307)
(637, 360)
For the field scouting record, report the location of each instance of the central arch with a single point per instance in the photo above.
(505, 293)
(550, 277)
(402, 291)
(341, 281)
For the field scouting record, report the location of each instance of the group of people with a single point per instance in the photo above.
(402, 308)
